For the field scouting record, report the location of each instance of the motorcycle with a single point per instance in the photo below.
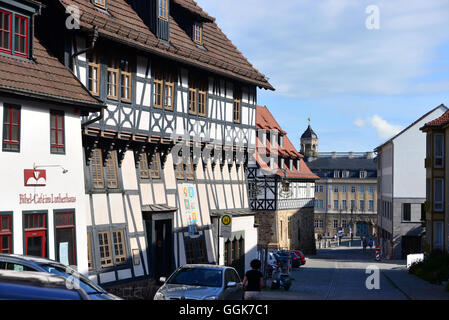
(280, 278)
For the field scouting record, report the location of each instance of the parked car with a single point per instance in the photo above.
(31, 285)
(17, 262)
(201, 282)
(296, 260)
(301, 255)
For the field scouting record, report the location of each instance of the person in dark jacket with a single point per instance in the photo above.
(253, 281)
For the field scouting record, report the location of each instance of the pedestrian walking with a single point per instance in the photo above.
(364, 244)
(253, 281)
(371, 243)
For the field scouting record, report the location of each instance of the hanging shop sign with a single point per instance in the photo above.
(35, 178)
(191, 210)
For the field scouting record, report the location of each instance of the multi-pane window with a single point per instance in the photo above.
(119, 246)
(155, 167)
(163, 90)
(371, 205)
(438, 156)
(144, 167)
(406, 212)
(362, 205)
(335, 188)
(169, 90)
(5, 31)
(335, 224)
(363, 174)
(89, 252)
(202, 98)
(344, 223)
(113, 79)
(11, 128)
(344, 205)
(111, 171)
(352, 204)
(438, 194)
(57, 132)
(163, 9)
(5, 233)
(237, 105)
(100, 3)
(336, 174)
(104, 242)
(353, 189)
(362, 189)
(371, 189)
(21, 36)
(319, 188)
(198, 33)
(193, 95)
(125, 74)
(94, 73)
(335, 204)
(343, 188)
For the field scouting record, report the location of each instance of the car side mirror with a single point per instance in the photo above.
(162, 279)
(231, 284)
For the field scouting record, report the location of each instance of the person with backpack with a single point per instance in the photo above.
(364, 244)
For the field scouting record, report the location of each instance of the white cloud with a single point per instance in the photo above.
(384, 129)
(359, 122)
(313, 49)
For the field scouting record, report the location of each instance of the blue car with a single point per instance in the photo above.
(29, 263)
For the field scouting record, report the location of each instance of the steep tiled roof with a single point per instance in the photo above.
(265, 120)
(123, 24)
(44, 78)
(438, 122)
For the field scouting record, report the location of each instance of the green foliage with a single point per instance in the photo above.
(434, 269)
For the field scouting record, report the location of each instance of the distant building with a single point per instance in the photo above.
(281, 188)
(437, 180)
(346, 193)
(402, 188)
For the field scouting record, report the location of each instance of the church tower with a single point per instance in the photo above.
(309, 143)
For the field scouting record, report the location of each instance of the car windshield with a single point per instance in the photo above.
(88, 286)
(197, 277)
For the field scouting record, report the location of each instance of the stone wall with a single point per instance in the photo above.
(287, 229)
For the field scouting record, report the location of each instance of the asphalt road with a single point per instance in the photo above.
(340, 274)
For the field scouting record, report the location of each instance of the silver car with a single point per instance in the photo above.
(201, 282)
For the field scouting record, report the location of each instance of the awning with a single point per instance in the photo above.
(150, 209)
(232, 212)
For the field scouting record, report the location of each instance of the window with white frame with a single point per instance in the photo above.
(343, 189)
(438, 194)
(335, 224)
(363, 174)
(298, 165)
(336, 188)
(371, 205)
(438, 150)
(336, 174)
(345, 174)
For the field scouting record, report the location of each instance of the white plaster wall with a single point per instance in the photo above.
(35, 149)
(409, 154)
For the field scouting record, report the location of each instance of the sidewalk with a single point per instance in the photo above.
(411, 286)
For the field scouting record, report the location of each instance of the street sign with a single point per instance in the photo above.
(226, 226)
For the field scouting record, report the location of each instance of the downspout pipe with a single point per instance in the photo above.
(94, 38)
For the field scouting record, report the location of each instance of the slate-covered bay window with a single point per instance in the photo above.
(11, 127)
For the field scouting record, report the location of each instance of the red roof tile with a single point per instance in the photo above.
(265, 120)
(439, 122)
(44, 78)
(124, 24)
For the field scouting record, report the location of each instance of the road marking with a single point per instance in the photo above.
(332, 284)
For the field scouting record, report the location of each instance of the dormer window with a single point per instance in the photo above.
(163, 9)
(100, 3)
(198, 33)
(14, 33)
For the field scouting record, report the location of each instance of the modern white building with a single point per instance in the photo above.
(402, 188)
(42, 207)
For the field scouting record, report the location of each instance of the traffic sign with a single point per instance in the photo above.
(226, 226)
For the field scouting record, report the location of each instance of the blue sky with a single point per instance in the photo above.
(359, 86)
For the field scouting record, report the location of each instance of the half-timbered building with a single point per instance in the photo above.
(281, 189)
(176, 90)
(42, 208)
